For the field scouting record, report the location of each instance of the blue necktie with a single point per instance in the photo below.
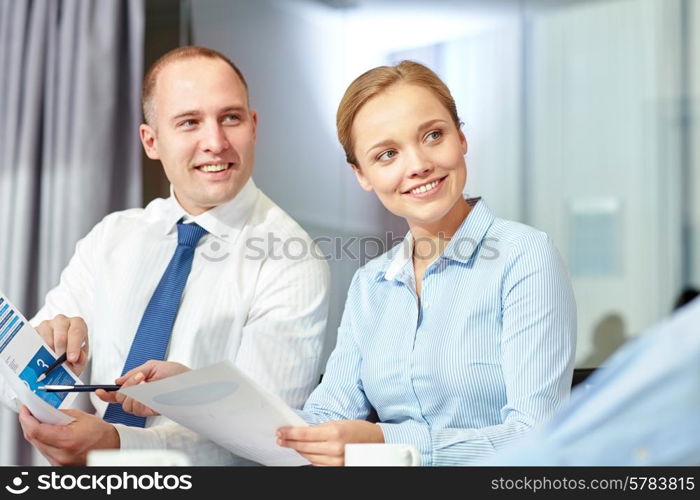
(153, 334)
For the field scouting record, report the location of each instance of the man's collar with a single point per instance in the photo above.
(462, 247)
(224, 221)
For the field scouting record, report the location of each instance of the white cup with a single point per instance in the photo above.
(381, 454)
(118, 458)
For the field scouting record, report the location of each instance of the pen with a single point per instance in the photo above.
(77, 388)
(59, 361)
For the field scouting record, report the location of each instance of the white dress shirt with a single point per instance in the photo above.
(256, 295)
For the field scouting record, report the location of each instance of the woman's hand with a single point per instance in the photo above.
(147, 372)
(324, 444)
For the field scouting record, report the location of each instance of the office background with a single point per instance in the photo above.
(580, 117)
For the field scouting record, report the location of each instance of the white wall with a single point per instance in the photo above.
(288, 52)
(694, 111)
(484, 72)
(604, 121)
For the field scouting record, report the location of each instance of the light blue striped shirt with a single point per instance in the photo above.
(484, 355)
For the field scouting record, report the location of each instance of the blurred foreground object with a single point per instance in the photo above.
(640, 410)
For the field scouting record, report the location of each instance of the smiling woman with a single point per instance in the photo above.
(460, 348)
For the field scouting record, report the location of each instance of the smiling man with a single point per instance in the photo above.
(177, 280)
(199, 125)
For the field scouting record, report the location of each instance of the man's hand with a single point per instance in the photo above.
(65, 334)
(68, 444)
(324, 444)
(147, 372)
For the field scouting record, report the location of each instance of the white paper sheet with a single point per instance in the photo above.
(228, 407)
(24, 356)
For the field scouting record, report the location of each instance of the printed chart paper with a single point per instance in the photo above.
(24, 356)
(225, 405)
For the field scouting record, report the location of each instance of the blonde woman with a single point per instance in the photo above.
(462, 337)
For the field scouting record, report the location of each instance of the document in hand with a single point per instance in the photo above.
(223, 404)
(25, 356)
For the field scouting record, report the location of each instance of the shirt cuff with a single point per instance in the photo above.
(460, 447)
(410, 432)
(136, 438)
